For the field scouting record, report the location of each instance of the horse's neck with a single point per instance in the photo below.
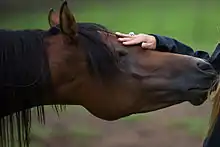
(23, 70)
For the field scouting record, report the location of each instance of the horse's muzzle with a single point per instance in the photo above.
(207, 77)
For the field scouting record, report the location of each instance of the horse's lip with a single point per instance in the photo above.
(198, 102)
(202, 96)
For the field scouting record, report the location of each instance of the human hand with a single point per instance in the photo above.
(146, 41)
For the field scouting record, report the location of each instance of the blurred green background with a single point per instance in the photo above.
(193, 22)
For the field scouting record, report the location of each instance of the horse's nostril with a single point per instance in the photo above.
(205, 66)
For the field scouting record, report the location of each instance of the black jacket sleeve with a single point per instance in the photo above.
(166, 44)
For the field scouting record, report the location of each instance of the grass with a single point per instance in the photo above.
(193, 22)
(194, 126)
(80, 131)
(136, 118)
(40, 131)
(84, 132)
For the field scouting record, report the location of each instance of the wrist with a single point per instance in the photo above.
(152, 39)
(156, 40)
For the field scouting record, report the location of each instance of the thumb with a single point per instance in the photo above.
(145, 45)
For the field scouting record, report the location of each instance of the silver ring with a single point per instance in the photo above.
(131, 34)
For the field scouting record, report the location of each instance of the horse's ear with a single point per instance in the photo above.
(67, 21)
(53, 18)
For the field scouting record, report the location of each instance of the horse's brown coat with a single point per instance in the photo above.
(89, 67)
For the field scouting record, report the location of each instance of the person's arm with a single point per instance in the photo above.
(160, 43)
(167, 44)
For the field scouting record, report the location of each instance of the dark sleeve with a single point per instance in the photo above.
(166, 44)
(213, 139)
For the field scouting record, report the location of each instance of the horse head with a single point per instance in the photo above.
(114, 81)
(84, 64)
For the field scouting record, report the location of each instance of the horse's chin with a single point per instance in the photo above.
(200, 98)
(197, 103)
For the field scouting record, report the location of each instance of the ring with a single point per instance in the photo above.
(131, 34)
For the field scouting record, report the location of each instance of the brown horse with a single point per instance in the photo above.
(84, 64)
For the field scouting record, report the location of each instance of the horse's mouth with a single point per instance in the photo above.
(201, 94)
(204, 93)
(199, 89)
(198, 102)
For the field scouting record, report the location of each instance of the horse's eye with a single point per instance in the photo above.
(122, 52)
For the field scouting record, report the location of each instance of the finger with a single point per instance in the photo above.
(145, 45)
(122, 34)
(124, 39)
(133, 41)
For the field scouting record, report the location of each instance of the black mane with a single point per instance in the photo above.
(25, 75)
(101, 57)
